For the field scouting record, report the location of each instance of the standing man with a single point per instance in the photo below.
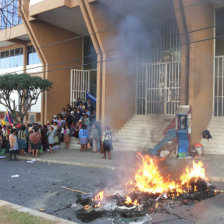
(35, 138)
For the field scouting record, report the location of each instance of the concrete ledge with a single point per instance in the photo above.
(35, 213)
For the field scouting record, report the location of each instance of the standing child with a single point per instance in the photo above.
(50, 135)
(107, 142)
(67, 136)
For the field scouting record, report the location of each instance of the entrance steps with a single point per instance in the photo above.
(216, 144)
(74, 143)
(141, 132)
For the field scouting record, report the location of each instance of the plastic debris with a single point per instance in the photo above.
(42, 210)
(31, 161)
(17, 175)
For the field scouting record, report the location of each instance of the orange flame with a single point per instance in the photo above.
(130, 202)
(87, 207)
(196, 172)
(98, 198)
(148, 178)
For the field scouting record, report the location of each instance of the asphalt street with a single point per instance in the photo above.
(40, 185)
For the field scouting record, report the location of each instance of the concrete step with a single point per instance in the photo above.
(120, 138)
(151, 116)
(214, 150)
(216, 144)
(145, 127)
(136, 145)
(141, 132)
(129, 148)
(213, 141)
(137, 133)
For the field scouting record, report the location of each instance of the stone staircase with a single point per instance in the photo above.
(216, 144)
(73, 143)
(141, 132)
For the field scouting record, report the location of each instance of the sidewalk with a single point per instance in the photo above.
(17, 214)
(214, 164)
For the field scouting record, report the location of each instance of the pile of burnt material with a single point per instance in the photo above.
(138, 204)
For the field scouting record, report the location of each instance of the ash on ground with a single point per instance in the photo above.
(117, 208)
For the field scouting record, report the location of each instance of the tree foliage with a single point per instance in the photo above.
(28, 89)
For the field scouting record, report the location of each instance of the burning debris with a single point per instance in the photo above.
(148, 192)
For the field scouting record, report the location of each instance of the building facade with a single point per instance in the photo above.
(136, 58)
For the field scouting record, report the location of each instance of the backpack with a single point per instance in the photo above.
(35, 138)
(108, 134)
(206, 134)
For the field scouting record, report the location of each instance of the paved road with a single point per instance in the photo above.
(39, 185)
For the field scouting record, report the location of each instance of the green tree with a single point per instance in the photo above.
(28, 89)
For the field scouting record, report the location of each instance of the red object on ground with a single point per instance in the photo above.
(197, 145)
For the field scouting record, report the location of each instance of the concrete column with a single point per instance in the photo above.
(118, 71)
(198, 17)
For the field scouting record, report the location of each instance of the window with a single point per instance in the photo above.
(9, 16)
(32, 57)
(90, 56)
(11, 58)
(219, 32)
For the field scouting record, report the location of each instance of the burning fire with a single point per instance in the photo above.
(148, 178)
(196, 172)
(87, 207)
(130, 202)
(98, 198)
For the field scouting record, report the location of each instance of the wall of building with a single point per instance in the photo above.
(45, 34)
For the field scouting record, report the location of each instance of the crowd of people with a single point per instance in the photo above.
(77, 121)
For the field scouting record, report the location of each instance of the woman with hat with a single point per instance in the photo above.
(22, 137)
(13, 144)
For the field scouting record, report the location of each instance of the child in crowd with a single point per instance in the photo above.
(50, 135)
(67, 136)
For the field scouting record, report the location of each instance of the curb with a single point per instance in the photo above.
(216, 179)
(35, 213)
(92, 165)
(70, 163)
